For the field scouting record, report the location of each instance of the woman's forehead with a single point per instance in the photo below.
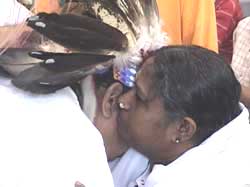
(146, 68)
(144, 77)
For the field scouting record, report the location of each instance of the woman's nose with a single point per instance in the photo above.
(125, 101)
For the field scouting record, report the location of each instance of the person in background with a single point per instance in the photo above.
(189, 22)
(241, 58)
(228, 14)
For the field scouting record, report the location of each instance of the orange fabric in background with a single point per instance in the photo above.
(190, 22)
(48, 6)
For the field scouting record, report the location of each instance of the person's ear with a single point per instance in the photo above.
(110, 98)
(185, 130)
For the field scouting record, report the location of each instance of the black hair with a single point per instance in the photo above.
(196, 82)
(104, 79)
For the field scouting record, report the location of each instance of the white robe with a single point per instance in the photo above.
(47, 141)
(223, 160)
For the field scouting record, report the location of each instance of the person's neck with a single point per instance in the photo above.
(179, 150)
(113, 153)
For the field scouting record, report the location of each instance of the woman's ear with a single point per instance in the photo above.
(186, 130)
(110, 98)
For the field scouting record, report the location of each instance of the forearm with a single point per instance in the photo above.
(245, 96)
(11, 36)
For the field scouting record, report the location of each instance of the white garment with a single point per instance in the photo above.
(128, 168)
(47, 141)
(12, 12)
(223, 160)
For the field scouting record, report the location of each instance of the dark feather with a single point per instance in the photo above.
(15, 60)
(79, 32)
(29, 80)
(63, 62)
(41, 80)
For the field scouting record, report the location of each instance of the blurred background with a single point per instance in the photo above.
(245, 7)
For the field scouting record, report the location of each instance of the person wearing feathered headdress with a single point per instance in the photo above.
(104, 48)
(46, 140)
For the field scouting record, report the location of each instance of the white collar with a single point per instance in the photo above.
(218, 160)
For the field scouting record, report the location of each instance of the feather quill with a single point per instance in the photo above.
(38, 79)
(63, 62)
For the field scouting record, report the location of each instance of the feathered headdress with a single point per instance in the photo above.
(118, 33)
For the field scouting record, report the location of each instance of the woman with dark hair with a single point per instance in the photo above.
(184, 115)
